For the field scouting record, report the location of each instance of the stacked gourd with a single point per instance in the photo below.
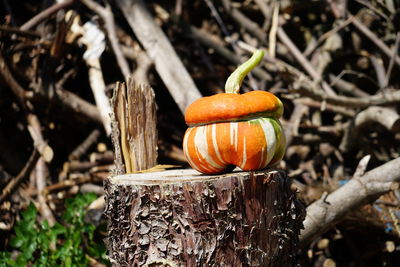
(232, 129)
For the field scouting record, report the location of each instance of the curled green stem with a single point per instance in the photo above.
(235, 80)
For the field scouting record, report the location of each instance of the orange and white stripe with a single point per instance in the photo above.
(250, 145)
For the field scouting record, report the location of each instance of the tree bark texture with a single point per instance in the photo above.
(181, 218)
(134, 130)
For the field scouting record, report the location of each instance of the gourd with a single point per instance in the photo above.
(231, 129)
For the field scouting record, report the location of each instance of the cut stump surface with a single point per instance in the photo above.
(182, 218)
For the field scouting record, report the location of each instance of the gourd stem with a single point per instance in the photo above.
(235, 80)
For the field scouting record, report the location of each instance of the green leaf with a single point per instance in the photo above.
(66, 243)
(18, 241)
(30, 213)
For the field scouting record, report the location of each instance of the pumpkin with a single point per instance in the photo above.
(232, 129)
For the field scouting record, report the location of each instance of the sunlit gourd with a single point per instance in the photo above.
(232, 129)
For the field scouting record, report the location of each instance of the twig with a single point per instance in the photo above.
(107, 16)
(99, 91)
(266, 11)
(34, 126)
(14, 182)
(256, 31)
(69, 100)
(144, 63)
(384, 98)
(45, 14)
(377, 63)
(41, 173)
(244, 21)
(381, 45)
(322, 215)
(370, 6)
(18, 91)
(336, 109)
(362, 166)
(34, 129)
(345, 86)
(63, 98)
(82, 149)
(273, 30)
(326, 35)
(92, 188)
(339, 8)
(30, 34)
(81, 179)
(308, 88)
(292, 127)
(203, 38)
(391, 63)
(384, 116)
(304, 62)
(167, 63)
(217, 17)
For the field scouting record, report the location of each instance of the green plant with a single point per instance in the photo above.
(68, 243)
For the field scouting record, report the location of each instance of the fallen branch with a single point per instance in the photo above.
(13, 30)
(303, 61)
(386, 117)
(107, 16)
(384, 98)
(345, 86)
(39, 143)
(206, 40)
(254, 29)
(323, 214)
(17, 90)
(93, 39)
(323, 106)
(45, 14)
(292, 127)
(63, 98)
(41, 173)
(375, 39)
(82, 148)
(15, 182)
(78, 105)
(167, 63)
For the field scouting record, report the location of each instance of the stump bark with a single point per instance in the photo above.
(182, 218)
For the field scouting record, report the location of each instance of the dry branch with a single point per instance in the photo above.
(107, 16)
(39, 143)
(375, 39)
(18, 91)
(304, 61)
(386, 117)
(82, 149)
(24, 174)
(323, 214)
(206, 40)
(41, 173)
(46, 14)
(166, 61)
(72, 102)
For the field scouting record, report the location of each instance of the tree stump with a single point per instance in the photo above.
(182, 218)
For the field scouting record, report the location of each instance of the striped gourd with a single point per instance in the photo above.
(230, 129)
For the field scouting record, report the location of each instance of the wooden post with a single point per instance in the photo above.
(182, 218)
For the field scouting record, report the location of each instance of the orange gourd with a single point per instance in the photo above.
(232, 129)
